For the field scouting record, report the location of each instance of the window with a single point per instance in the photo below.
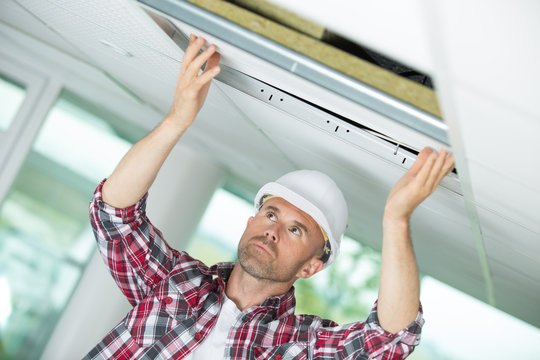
(45, 236)
(12, 95)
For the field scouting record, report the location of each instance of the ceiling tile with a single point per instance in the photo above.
(123, 18)
(527, 265)
(229, 137)
(17, 17)
(504, 196)
(499, 137)
(498, 54)
(515, 293)
(456, 268)
(148, 73)
(505, 240)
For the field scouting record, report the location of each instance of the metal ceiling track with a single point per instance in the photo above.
(304, 67)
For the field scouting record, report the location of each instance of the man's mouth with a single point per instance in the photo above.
(264, 247)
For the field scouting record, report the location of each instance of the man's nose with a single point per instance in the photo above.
(272, 232)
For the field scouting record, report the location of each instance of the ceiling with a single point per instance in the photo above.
(479, 233)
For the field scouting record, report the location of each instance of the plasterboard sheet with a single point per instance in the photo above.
(527, 265)
(509, 233)
(226, 135)
(502, 195)
(497, 55)
(455, 265)
(148, 73)
(511, 244)
(17, 17)
(446, 248)
(516, 294)
(499, 136)
(124, 18)
(92, 38)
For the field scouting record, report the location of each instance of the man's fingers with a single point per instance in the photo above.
(195, 45)
(423, 174)
(420, 160)
(213, 61)
(434, 176)
(207, 76)
(447, 168)
(193, 68)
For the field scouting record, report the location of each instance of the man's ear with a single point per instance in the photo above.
(250, 219)
(310, 268)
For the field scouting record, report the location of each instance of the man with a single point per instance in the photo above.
(184, 309)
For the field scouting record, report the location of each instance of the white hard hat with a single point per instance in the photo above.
(316, 194)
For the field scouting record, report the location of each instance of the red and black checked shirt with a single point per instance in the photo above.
(176, 301)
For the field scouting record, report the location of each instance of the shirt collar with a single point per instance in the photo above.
(279, 306)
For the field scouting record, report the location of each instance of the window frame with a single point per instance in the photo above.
(40, 94)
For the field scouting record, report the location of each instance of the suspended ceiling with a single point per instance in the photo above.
(479, 233)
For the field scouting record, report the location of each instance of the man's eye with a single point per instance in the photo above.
(296, 231)
(271, 216)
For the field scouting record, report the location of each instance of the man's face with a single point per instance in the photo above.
(280, 243)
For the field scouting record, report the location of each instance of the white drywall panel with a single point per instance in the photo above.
(513, 235)
(148, 73)
(500, 194)
(511, 244)
(224, 133)
(493, 46)
(499, 136)
(19, 18)
(122, 17)
(516, 293)
(526, 264)
(451, 263)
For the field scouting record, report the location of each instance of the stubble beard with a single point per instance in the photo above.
(262, 268)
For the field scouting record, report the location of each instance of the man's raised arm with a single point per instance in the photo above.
(137, 171)
(399, 289)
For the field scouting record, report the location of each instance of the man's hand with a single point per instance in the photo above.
(399, 289)
(192, 87)
(418, 183)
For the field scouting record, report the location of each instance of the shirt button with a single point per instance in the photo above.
(198, 336)
(278, 357)
(167, 300)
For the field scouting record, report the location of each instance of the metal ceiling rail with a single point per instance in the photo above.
(304, 67)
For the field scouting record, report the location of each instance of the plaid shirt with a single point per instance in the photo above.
(177, 299)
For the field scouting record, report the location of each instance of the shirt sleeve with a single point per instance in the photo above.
(133, 250)
(368, 339)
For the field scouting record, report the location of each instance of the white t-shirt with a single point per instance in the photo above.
(215, 341)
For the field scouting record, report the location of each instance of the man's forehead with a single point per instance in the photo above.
(280, 204)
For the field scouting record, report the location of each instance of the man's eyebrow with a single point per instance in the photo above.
(301, 226)
(273, 208)
(296, 222)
